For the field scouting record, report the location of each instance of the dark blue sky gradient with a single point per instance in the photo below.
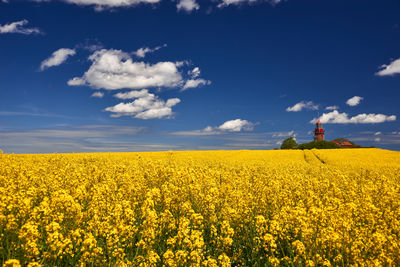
(260, 59)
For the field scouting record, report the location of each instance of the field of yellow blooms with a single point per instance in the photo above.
(215, 208)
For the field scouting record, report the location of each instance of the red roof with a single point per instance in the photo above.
(319, 122)
(343, 143)
(346, 143)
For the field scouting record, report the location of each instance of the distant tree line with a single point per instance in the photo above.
(318, 145)
(290, 143)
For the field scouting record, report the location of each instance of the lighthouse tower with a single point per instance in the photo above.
(319, 134)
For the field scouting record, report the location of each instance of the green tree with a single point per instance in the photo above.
(318, 145)
(289, 143)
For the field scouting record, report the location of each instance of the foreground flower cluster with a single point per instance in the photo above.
(241, 208)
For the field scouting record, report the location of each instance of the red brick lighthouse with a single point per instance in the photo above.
(319, 134)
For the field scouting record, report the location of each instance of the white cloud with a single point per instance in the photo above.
(303, 105)
(391, 69)
(236, 126)
(141, 52)
(354, 101)
(208, 129)
(146, 106)
(106, 4)
(332, 108)
(187, 5)
(182, 63)
(195, 83)
(194, 73)
(132, 94)
(18, 27)
(377, 133)
(342, 118)
(225, 3)
(378, 139)
(76, 82)
(57, 58)
(97, 94)
(114, 69)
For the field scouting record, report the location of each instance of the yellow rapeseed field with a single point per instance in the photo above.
(215, 208)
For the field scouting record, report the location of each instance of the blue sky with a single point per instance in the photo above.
(148, 75)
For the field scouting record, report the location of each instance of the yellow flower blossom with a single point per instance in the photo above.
(201, 208)
(12, 263)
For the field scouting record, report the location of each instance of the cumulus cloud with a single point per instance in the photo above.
(114, 69)
(303, 105)
(57, 58)
(182, 63)
(377, 133)
(194, 73)
(76, 81)
(236, 126)
(195, 83)
(354, 101)
(145, 106)
(19, 27)
(132, 94)
(187, 5)
(97, 94)
(343, 118)
(391, 69)
(141, 52)
(225, 3)
(106, 4)
(332, 107)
